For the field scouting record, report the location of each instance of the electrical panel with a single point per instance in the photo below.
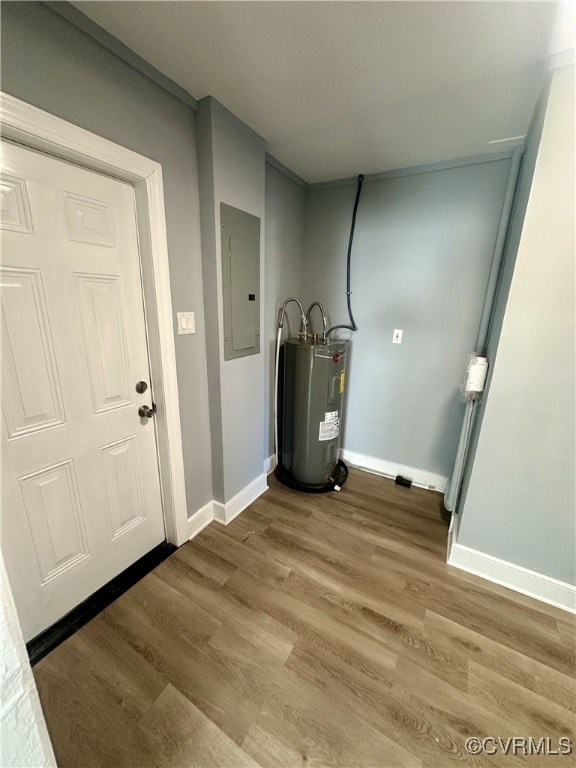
(240, 281)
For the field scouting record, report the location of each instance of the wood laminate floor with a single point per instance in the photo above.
(312, 631)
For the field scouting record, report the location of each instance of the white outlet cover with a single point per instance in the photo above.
(186, 323)
(397, 336)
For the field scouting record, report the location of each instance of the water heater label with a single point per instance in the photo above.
(330, 427)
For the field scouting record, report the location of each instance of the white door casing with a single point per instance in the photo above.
(36, 128)
(80, 484)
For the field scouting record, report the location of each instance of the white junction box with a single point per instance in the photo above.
(186, 322)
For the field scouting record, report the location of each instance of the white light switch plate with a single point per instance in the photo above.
(186, 322)
(397, 336)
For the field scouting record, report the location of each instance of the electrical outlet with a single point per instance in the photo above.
(186, 322)
(397, 336)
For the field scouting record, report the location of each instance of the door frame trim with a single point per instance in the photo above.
(37, 129)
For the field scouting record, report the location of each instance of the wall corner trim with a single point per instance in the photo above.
(420, 477)
(515, 577)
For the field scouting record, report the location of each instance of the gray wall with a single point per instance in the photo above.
(232, 171)
(285, 230)
(421, 258)
(520, 500)
(49, 63)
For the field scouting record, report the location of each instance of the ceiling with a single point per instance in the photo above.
(341, 88)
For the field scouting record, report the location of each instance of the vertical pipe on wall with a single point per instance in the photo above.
(498, 254)
(455, 480)
(451, 496)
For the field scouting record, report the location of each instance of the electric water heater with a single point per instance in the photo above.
(309, 384)
(313, 383)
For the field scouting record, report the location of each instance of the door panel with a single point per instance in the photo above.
(54, 517)
(80, 486)
(89, 221)
(122, 480)
(14, 205)
(33, 399)
(104, 340)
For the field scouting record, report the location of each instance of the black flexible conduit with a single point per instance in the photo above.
(352, 326)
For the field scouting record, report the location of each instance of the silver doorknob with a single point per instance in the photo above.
(146, 412)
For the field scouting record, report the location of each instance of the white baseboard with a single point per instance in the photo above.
(420, 477)
(270, 464)
(225, 513)
(513, 576)
(200, 519)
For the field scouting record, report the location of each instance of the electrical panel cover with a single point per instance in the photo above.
(240, 281)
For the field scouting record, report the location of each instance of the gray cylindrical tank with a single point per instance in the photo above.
(314, 380)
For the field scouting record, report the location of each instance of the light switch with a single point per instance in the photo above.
(397, 336)
(186, 322)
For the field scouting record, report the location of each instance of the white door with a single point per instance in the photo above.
(80, 484)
